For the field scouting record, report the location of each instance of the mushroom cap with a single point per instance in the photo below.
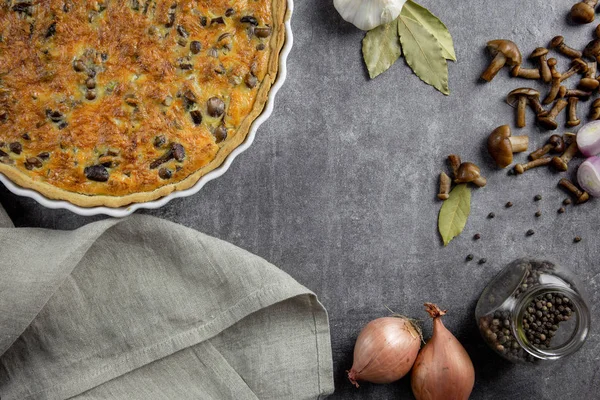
(582, 13)
(499, 146)
(588, 84)
(547, 123)
(540, 51)
(513, 97)
(552, 62)
(558, 143)
(596, 103)
(556, 41)
(508, 49)
(467, 172)
(592, 49)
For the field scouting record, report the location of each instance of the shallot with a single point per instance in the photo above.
(443, 369)
(588, 176)
(588, 139)
(385, 350)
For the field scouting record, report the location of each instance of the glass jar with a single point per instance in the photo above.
(532, 311)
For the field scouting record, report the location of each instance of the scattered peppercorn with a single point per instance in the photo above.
(538, 214)
(537, 197)
(491, 215)
(530, 232)
(470, 257)
(577, 239)
(509, 204)
(566, 202)
(477, 236)
(561, 210)
(482, 261)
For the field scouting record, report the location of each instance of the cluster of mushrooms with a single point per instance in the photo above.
(558, 150)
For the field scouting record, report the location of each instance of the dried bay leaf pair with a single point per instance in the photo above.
(421, 36)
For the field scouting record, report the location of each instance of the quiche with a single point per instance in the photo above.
(113, 102)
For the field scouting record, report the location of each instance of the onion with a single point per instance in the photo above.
(385, 350)
(443, 370)
(588, 176)
(588, 139)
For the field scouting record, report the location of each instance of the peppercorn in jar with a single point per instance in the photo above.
(533, 311)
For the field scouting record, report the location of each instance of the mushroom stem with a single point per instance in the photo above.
(521, 105)
(519, 143)
(562, 163)
(495, 66)
(595, 113)
(580, 195)
(454, 162)
(555, 144)
(573, 120)
(536, 106)
(520, 168)
(578, 66)
(539, 153)
(445, 183)
(549, 121)
(554, 90)
(526, 73)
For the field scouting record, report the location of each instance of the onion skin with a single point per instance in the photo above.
(385, 350)
(443, 370)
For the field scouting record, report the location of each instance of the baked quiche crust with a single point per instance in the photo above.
(108, 103)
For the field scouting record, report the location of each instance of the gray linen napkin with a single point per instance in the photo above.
(142, 308)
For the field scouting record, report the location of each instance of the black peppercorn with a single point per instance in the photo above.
(509, 204)
(537, 197)
(477, 236)
(482, 261)
(470, 257)
(567, 201)
(561, 210)
(577, 239)
(530, 232)
(491, 215)
(538, 214)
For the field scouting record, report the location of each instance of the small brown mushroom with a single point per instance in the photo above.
(592, 50)
(555, 82)
(454, 163)
(549, 121)
(505, 52)
(597, 31)
(572, 119)
(562, 163)
(501, 145)
(581, 196)
(577, 66)
(540, 55)
(555, 144)
(589, 83)
(595, 113)
(469, 172)
(526, 73)
(558, 43)
(445, 183)
(518, 99)
(584, 12)
(521, 168)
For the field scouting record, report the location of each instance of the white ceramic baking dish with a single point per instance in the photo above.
(128, 210)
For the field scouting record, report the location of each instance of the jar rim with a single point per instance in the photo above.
(578, 336)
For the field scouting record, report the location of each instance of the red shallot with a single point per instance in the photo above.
(443, 370)
(385, 350)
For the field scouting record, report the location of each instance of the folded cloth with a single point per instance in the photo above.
(142, 308)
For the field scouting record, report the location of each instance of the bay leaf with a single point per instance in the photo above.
(423, 53)
(433, 26)
(381, 48)
(454, 213)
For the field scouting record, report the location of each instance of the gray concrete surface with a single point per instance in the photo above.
(339, 191)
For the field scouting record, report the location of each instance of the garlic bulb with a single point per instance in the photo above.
(369, 14)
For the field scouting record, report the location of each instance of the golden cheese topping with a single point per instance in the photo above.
(117, 97)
